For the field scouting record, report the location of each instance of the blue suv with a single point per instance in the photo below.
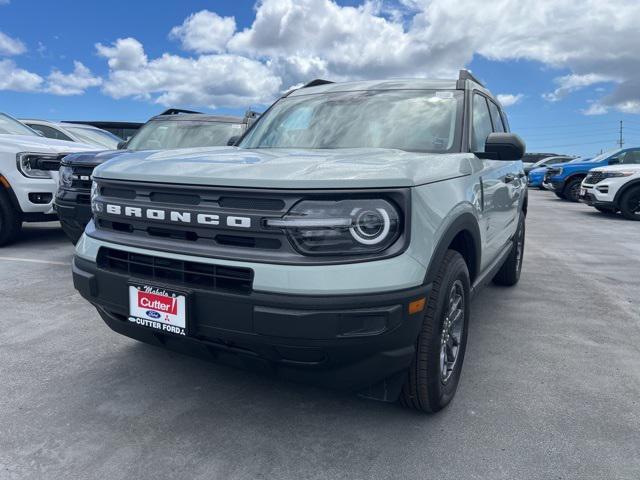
(564, 180)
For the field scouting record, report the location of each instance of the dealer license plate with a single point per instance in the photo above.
(158, 308)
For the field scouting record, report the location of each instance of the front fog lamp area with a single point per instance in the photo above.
(341, 227)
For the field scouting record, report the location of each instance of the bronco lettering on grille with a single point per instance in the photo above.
(175, 216)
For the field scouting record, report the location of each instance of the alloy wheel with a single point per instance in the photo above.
(452, 330)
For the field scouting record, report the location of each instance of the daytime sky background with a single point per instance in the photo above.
(566, 78)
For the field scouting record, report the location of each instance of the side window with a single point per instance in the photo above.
(49, 132)
(481, 123)
(630, 156)
(498, 126)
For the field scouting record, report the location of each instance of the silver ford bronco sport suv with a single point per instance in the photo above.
(340, 241)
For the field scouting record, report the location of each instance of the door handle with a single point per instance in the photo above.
(508, 178)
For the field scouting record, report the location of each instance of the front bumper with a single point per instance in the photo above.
(74, 211)
(362, 342)
(591, 196)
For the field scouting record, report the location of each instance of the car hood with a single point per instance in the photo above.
(91, 159)
(616, 168)
(33, 143)
(289, 168)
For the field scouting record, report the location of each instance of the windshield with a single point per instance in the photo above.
(413, 120)
(602, 156)
(168, 134)
(11, 126)
(95, 136)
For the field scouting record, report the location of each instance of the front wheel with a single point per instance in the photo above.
(435, 371)
(509, 273)
(572, 190)
(10, 220)
(630, 204)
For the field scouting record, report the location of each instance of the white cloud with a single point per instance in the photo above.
(125, 54)
(595, 109)
(17, 79)
(293, 41)
(204, 32)
(11, 46)
(508, 99)
(210, 80)
(571, 83)
(74, 83)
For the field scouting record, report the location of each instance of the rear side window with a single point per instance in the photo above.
(482, 126)
(49, 132)
(498, 126)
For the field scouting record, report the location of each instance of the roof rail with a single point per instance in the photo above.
(464, 75)
(316, 82)
(176, 111)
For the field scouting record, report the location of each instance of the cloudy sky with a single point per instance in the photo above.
(567, 70)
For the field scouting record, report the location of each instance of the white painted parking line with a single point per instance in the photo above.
(33, 260)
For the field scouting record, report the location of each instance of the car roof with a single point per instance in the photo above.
(200, 117)
(393, 84)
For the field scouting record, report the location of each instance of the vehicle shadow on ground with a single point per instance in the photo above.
(601, 215)
(41, 234)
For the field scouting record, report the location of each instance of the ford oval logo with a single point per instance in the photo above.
(152, 314)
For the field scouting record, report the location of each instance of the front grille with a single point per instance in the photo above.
(552, 172)
(176, 272)
(81, 178)
(210, 221)
(594, 177)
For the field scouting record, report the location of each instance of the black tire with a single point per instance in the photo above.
(560, 194)
(630, 204)
(10, 220)
(571, 190)
(426, 388)
(607, 210)
(509, 273)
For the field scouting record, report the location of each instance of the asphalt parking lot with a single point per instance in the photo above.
(550, 386)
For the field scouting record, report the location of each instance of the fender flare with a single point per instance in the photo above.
(623, 189)
(468, 223)
(8, 190)
(571, 177)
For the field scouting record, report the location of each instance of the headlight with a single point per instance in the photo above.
(65, 176)
(341, 227)
(620, 173)
(37, 165)
(96, 207)
(558, 172)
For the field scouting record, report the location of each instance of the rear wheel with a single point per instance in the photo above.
(572, 189)
(435, 371)
(630, 204)
(509, 273)
(10, 220)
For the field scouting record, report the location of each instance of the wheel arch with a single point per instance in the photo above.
(462, 235)
(622, 190)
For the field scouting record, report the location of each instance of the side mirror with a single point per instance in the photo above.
(614, 161)
(233, 140)
(123, 144)
(503, 146)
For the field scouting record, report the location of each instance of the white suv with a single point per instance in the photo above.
(28, 175)
(615, 188)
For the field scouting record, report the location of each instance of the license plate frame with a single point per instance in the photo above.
(159, 316)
